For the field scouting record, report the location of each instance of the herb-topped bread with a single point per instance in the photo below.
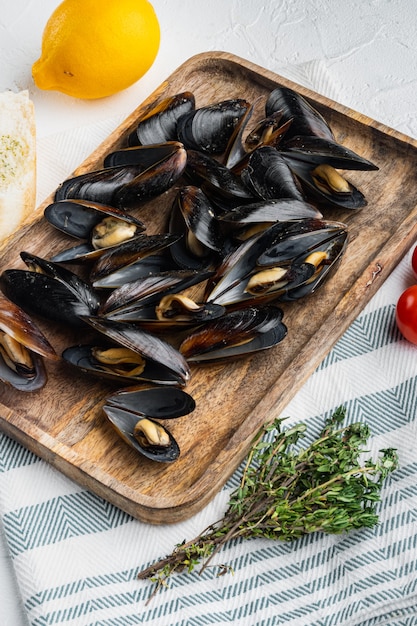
(17, 161)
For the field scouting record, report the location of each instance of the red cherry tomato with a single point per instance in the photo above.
(414, 261)
(406, 314)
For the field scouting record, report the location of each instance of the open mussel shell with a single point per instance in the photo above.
(236, 266)
(328, 187)
(300, 240)
(135, 411)
(105, 361)
(50, 290)
(316, 150)
(78, 218)
(278, 261)
(235, 334)
(193, 217)
(269, 176)
(209, 128)
(268, 131)
(129, 299)
(22, 348)
(101, 226)
(159, 124)
(146, 344)
(121, 257)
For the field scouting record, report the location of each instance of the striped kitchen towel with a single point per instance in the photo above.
(76, 557)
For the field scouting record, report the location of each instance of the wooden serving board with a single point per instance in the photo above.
(64, 424)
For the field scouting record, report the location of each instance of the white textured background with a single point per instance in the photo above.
(362, 53)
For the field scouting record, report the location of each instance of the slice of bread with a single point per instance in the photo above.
(17, 162)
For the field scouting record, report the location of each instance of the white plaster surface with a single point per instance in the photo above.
(362, 53)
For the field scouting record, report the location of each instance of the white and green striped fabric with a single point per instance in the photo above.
(76, 556)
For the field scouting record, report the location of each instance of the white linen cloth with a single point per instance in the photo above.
(76, 556)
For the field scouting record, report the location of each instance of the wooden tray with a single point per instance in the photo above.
(64, 424)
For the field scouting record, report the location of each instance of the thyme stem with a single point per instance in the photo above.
(285, 493)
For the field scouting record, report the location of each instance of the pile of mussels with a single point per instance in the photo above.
(246, 227)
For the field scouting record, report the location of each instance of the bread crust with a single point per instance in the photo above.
(17, 162)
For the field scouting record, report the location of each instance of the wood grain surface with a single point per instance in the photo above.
(64, 423)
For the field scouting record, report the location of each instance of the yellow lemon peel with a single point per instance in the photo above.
(95, 49)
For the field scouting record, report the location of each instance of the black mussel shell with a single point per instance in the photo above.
(145, 156)
(238, 264)
(316, 150)
(83, 358)
(124, 423)
(159, 124)
(43, 295)
(256, 216)
(305, 119)
(77, 218)
(101, 226)
(216, 179)
(209, 128)
(24, 380)
(50, 290)
(128, 253)
(14, 321)
(148, 290)
(155, 402)
(192, 216)
(268, 131)
(154, 181)
(144, 343)
(126, 186)
(237, 333)
(299, 241)
(99, 185)
(327, 187)
(152, 264)
(125, 409)
(268, 175)
(22, 348)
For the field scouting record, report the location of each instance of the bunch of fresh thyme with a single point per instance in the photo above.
(286, 492)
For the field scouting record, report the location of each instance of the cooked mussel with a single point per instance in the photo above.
(51, 291)
(216, 180)
(317, 150)
(99, 225)
(237, 333)
(157, 301)
(291, 106)
(193, 218)
(134, 413)
(118, 363)
(276, 263)
(22, 349)
(309, 137)
(159, 123)
(243, 221)
(269, 176)
(152, 348)
(127, 186)
(127, 254)
(327, 186)
(209, 128)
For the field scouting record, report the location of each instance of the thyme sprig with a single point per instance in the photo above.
(286, 492)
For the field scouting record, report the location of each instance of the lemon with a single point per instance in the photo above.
(95, 48)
